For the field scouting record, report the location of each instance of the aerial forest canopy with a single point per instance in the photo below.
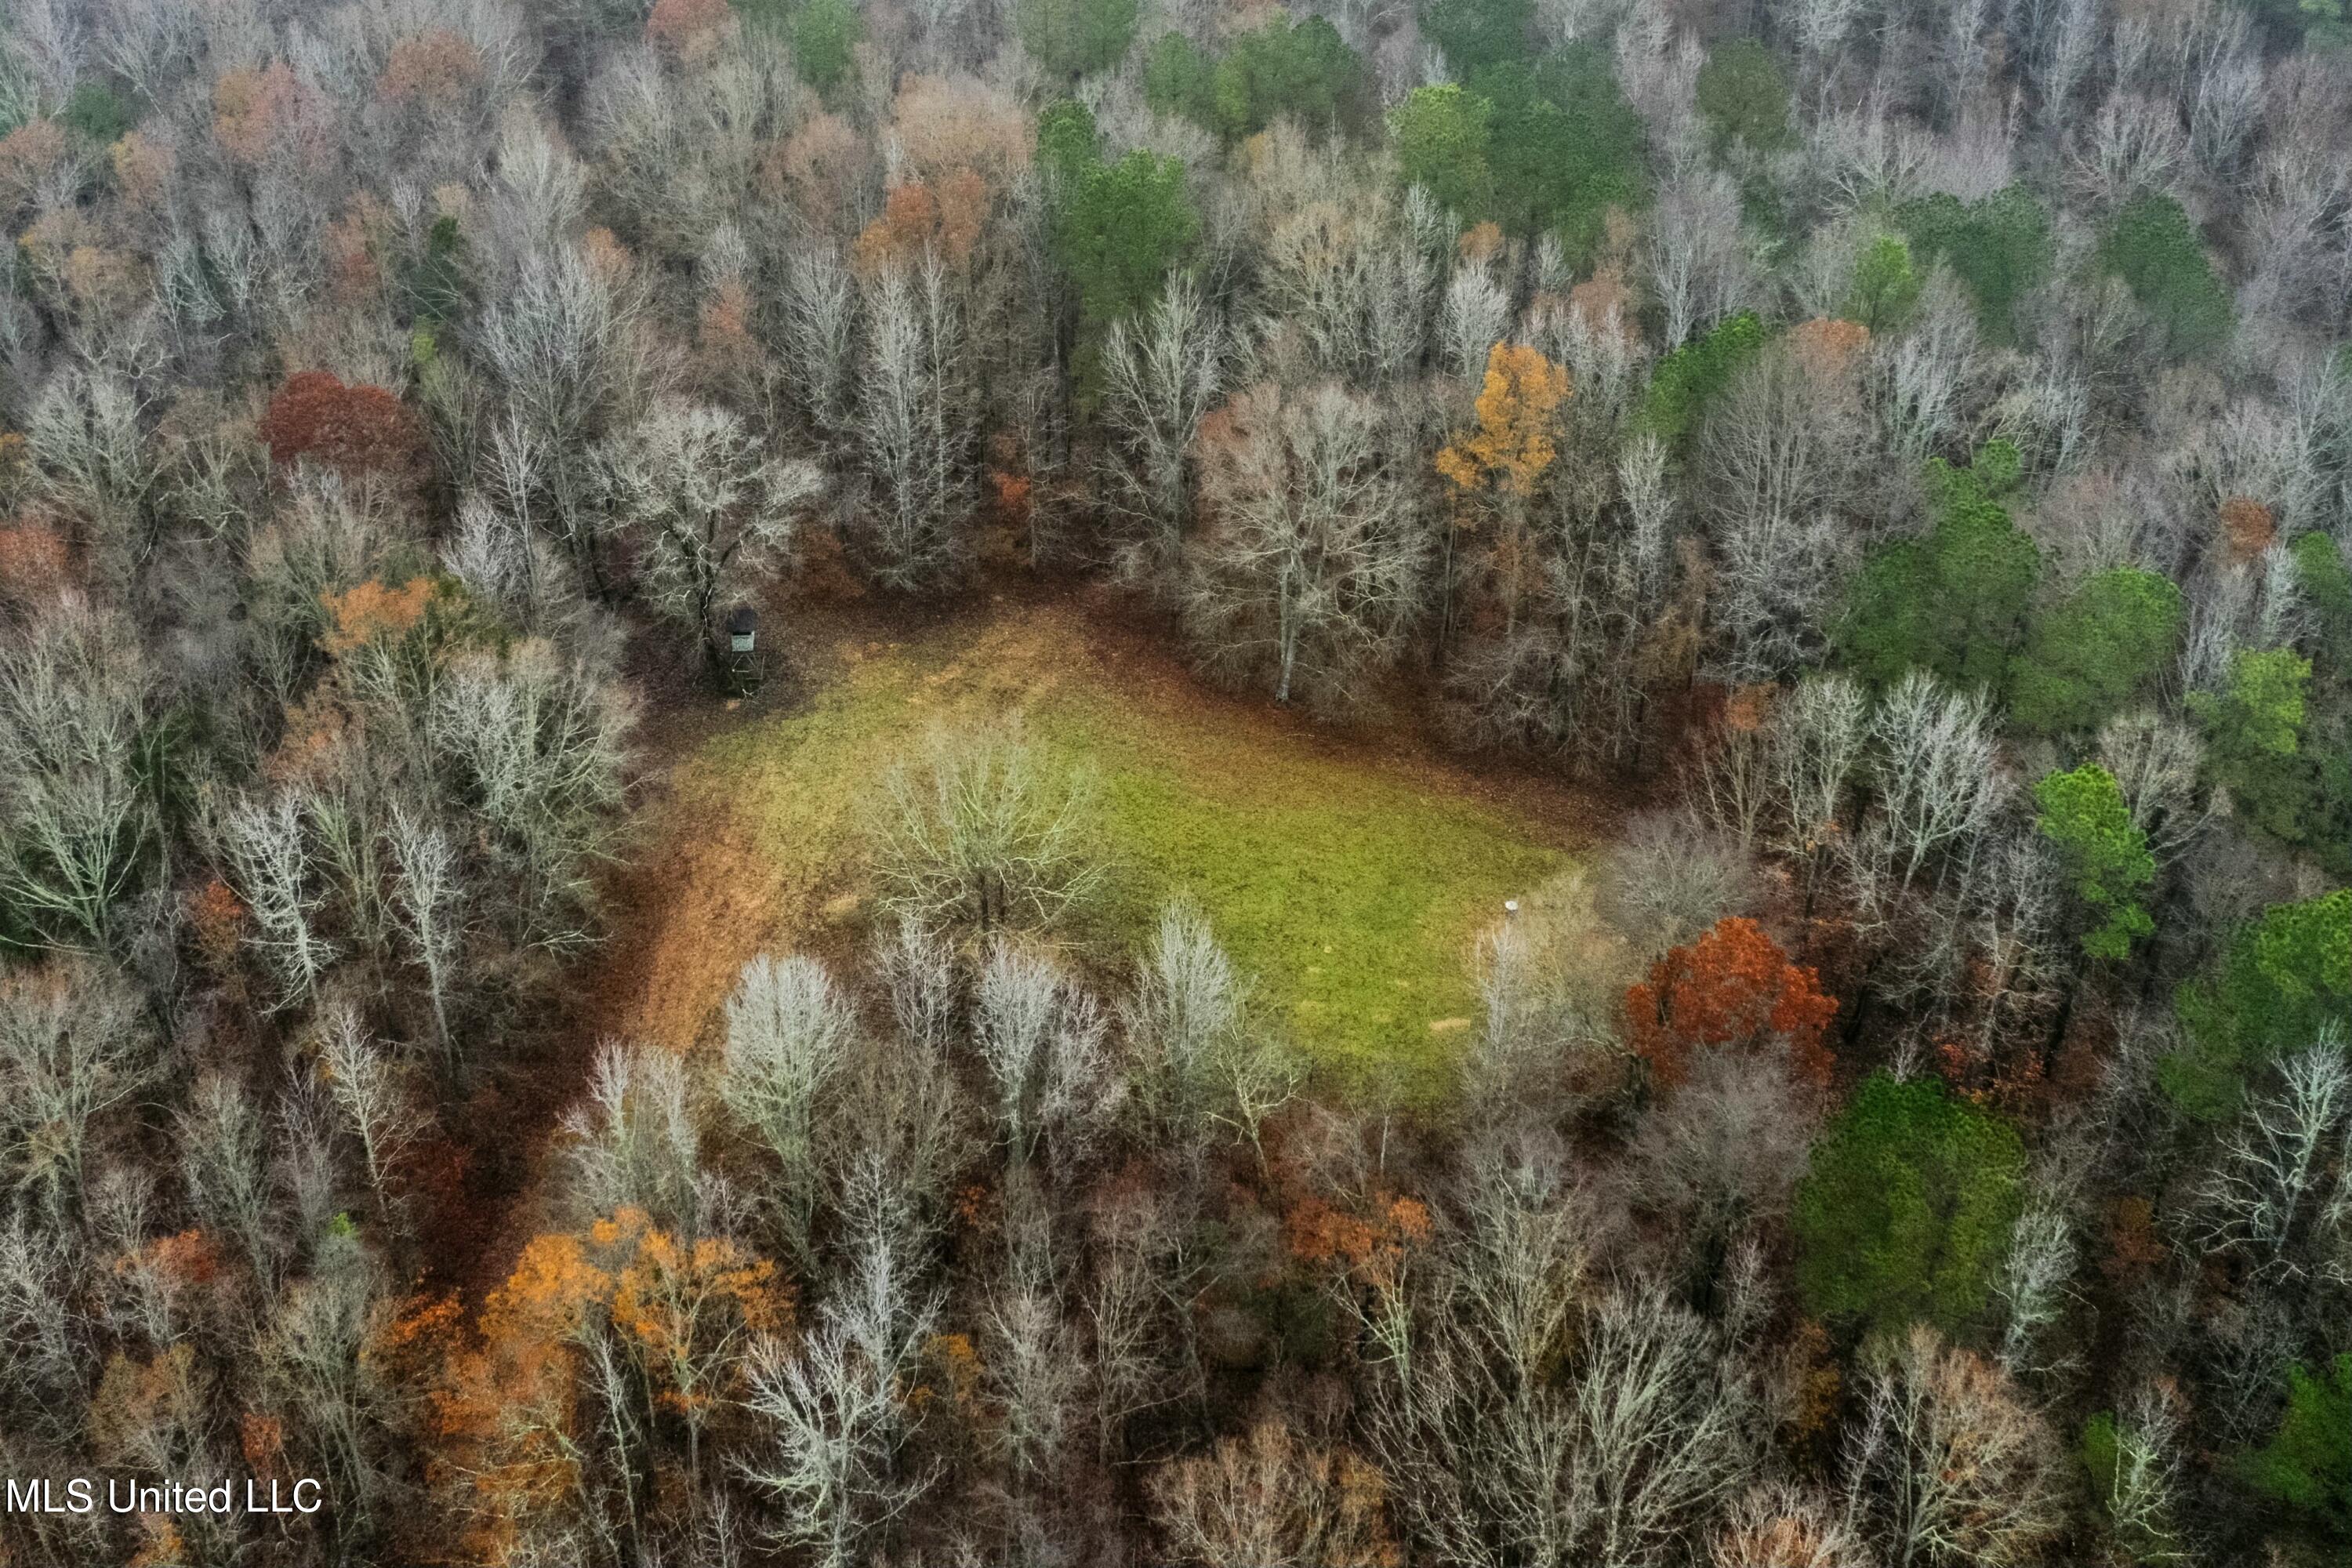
(1515, 784)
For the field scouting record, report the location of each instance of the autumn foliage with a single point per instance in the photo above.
(1315, 1231)
(691, 30)
(816, 168)
(29, 153)
(144, 167)
(949, 125)
(468, 1044)
(1827, 348)
(507, 1400)
(350, 429)
(257, 112)
(435, 68)
(1511, 445)
(917, 219)
(2247, 526)
(216, 923)
(728, 351)
(1605, 296)
(373, 609)
(1481, 243)
(1734, 987)
(34, 561)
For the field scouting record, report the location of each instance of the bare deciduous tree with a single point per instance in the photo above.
(1778, 588)
(428, 902)
(987, 833)
(1200, 1059)
(1160, 375)
(225, 1163)
(311, 1355)
(2134, 144)
(535, 743)
(1947, 1465)
(903, 1110)
(634, 1141)
(2064, 47)
(1919, 388)
(1268, 1499)
(1818, 741)
(563, 344)
(1347, 290)
(917, 426)
(1724, 1153)
(42, 1374)
(1186, 1002)
(268, 846)
(2034, 1288)
(1309, 570)
(2271, 1180)
(1671, 876)
(72, 1047)
(1474, 315)
(1697, 253)
(75, 823)
(710, 511)
(1938, 782)
(2228, 109)
(1778, 458)
(2142, 1493)
(789, 1028)
(1822, 26)
(1038, 1370)
(368, 1085)
(1616, 1464)
(1658, 63)
(839, 1410)
(87, 435)
(1044, 1043)
(2156, 761)
(819, 322)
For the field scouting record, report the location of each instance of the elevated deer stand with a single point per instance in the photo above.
(743, 666)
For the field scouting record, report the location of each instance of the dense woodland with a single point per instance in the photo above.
(1902, 449)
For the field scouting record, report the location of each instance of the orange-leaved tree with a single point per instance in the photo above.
(524, 1412)
(687, 1311)
(373, 609)
(1733, 988)
(1368, 1246)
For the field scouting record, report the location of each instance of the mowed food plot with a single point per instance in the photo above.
(1352, 895)
(1351, 883)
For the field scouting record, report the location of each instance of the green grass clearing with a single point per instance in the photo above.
(1352, 889)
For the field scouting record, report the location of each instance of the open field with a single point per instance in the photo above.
(1351, 879)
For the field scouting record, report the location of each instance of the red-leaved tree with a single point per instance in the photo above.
(1733, 988)
(351, 429)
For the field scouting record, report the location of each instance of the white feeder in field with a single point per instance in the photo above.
(1510, 909)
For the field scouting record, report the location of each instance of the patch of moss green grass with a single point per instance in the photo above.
(1351, 890)
(1352, 894)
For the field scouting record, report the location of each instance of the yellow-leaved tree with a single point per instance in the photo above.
(1493, 466)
